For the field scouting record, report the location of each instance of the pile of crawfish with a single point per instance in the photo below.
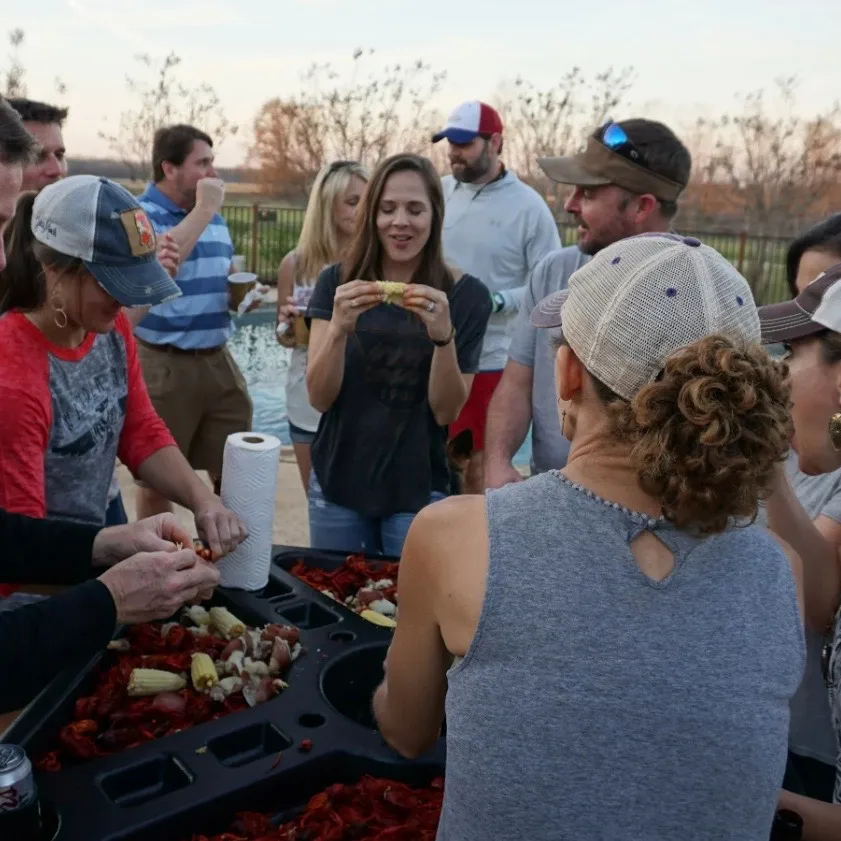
(357, 583)
(371, 810)
(110, 721)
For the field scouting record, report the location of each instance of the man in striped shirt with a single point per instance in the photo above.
(193, 380)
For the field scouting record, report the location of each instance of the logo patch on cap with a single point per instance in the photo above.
(138, 228)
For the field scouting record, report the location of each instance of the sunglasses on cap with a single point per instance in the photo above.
(614, 137)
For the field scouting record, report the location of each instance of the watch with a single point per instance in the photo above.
(498, 302)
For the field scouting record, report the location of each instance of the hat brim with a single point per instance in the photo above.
(568, 170)
(459, 136)
(786, 322)
(140, 284)
(548, 312)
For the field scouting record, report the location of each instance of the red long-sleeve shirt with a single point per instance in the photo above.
(65, 415)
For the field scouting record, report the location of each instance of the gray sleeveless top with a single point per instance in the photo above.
(595, 703)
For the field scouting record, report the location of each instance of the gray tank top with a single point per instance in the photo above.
(595, 703)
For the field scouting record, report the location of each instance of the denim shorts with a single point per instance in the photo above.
(300, 436)
(341, 529)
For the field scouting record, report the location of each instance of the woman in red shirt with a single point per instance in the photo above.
(71, 387)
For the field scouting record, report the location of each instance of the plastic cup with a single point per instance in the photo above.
(239, 285)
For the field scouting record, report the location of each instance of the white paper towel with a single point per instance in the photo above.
(249, 484)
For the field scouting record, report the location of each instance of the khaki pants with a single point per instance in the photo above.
(202, 398)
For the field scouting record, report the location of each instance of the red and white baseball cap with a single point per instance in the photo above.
(468, 121)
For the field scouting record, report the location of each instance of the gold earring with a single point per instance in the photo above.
(835, 430)
(57, 305)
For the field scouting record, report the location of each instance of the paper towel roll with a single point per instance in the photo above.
(249, 484)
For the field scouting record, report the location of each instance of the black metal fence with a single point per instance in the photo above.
(265, 234)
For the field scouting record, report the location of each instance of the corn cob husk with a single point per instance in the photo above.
(153, 682)
(203, 672)
(226, 623)
(378, 619)
(198, 615)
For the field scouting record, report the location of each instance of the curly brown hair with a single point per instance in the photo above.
(708, 434)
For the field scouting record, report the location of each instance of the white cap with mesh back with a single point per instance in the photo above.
(641, 299)
(102, 224)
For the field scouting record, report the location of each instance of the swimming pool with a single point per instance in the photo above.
(264, 364)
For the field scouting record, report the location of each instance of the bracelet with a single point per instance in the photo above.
(497, 302)
(447, 340)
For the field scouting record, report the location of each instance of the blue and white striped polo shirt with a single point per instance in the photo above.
(199, 318)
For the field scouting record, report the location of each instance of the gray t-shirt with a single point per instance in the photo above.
(530, 346)
(812, 733)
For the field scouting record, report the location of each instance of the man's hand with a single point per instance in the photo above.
(154, 534)
(154, 585)
(169, 254)
(210, 193)
(499, 473)
(220, 528)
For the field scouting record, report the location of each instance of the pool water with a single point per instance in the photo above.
(264, 364)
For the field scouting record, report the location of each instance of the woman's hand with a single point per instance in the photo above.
(432, 307)
(351, 300)
(286, 314)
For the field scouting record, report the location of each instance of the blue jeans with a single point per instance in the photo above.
(344, 530)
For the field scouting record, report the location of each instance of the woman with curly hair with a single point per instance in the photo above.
(615, 644)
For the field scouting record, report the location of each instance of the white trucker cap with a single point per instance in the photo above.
(641, 299)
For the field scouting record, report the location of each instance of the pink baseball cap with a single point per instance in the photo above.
(468, 121)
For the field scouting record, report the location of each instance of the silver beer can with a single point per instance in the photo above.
(17, 785)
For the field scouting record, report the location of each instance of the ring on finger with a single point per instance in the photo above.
(430, 307)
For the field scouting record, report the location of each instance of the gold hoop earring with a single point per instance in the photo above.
(57, 306)
(835, 431)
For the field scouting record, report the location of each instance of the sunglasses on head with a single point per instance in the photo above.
(614, 137)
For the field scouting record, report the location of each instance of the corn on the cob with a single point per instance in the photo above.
(227, 624)
(378, 619)
(153, 681)
(203, 672)
(392, 289)
(198, 615)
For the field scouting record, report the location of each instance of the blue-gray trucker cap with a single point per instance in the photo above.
(102, 224)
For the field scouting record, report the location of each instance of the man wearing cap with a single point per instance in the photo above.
(626, 181)
(194, 382)
(496, 228)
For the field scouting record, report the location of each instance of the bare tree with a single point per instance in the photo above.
(288, 147)
(771, 171)
(774, 167)
(555, 120)
(162, 102)
(363, 117)
(13, 76)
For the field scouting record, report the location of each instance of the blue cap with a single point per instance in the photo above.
(102, 224)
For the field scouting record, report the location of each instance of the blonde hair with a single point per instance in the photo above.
(318, 243)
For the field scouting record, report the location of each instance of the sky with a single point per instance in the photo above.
(690, 59)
